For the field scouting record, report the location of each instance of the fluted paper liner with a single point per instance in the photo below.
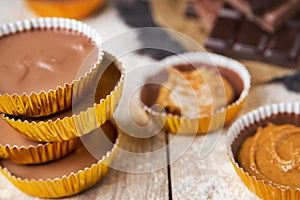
(48, 102)
(263, 189)
(69, 184)
(38, 154)
(76, 125)
(188, 125)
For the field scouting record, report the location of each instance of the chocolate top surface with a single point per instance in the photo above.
(33, 61)
(78, 160)
(107, 81)
(9, 136)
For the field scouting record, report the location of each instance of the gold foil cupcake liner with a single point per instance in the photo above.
(70, 184)
(76, 125)
(263, 189)
(38, 154)
(48, 102)
(201, 125)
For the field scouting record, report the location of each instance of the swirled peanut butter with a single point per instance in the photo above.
(192, 93)
(37, 60)
(273, 155)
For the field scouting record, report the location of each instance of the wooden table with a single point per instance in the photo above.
(189, 177)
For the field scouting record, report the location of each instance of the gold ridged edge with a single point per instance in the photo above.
(76, 125)
(66, 185)
(201, 125)
(263, 189)
(38, 154)
(53, 101)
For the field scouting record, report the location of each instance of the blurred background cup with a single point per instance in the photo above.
(76, 9)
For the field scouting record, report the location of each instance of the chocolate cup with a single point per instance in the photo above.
(67, 9)
(88, 114)
(150, 90)
(21, 150)
(234, 72)
(68, 176)
(55, 100)
(246, 126)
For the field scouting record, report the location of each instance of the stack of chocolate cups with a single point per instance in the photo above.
(46, 108)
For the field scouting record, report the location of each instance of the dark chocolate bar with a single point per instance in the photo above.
(268, 16)
(233, 35)
(259, 7)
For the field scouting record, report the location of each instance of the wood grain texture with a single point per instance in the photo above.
(212, 177)
(123, 185)
(192, 177)
(117, 184)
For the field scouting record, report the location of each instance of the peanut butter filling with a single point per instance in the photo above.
(194, 93)
(32, 61)
(273, 155)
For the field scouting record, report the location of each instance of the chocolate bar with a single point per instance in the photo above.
(234, 35)
(259, 7)
(270, 15)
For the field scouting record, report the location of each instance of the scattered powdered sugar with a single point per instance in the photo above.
(212, 185)
(210, 178)
(192, 176)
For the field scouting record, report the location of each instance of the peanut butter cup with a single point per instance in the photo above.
(43, 63)
(86, 115)
(19, 149)
(264, 150)
(68, 9)
(69, 175)
(190, 85)
(199, 92)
